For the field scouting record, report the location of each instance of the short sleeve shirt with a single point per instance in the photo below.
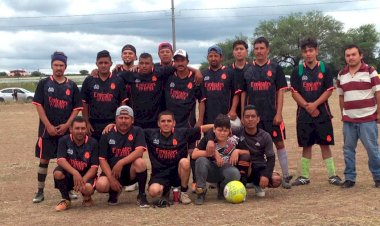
(58, 100)
(82, 157)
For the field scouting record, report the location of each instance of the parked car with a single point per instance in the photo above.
(16, 94)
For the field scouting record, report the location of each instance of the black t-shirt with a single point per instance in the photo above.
(166, 152)
(181, 95)
(114, 145)
(311, 85)
(146, 93)
(103, 97)
(218, 89)
(238, 77)
(261, 84)
(81, 158)
(58, 100)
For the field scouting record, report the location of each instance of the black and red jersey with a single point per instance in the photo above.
(180, 97)
(218, 88)
(238, 77)
(146, 93)
(311, 85)
(114, 145)
(261, 84)
(166, 152)
(82, 157)
(58, 100)
(103, 97)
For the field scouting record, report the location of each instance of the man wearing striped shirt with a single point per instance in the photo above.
(359, 97)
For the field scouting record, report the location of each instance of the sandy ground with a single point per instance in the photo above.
(315, 204)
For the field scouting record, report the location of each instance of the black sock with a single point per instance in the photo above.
(141, 180)
(41, 176)
(62, 186)
(243, 166)
(184, 189)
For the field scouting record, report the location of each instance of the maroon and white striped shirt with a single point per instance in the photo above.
(358, 91)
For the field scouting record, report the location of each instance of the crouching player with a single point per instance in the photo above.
(168, 152)
(77, 158)
(120, 156)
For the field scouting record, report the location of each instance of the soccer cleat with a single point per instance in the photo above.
(72, 195)
(184, 198)
(87, 202)
(301, 181)
(132, 187)
(64, 204)
(201, 195)
(259, 191)
(348, 184)
(113, 198)
(39, 197)
(335, 180)
(142, 201)
(377, 183)
(286, 182)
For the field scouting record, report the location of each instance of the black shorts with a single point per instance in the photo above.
(168, 178)
(256, 173)
(70, 179)
(315, 133)
(46, 148)
(125, 176)
(98, 128)
(276, 131)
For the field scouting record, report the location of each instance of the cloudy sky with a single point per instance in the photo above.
(30, 30)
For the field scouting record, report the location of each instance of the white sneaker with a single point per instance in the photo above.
(259, 191)
(73, 195)
(132, 187)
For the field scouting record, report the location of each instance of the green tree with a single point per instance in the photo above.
(83, 72)
(36, 74)
(226, 47)
(3, 74)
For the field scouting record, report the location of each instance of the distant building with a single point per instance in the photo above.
(18, 73)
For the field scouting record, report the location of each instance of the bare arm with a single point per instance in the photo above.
(341, 102)
(201, 113)
(199, 153)
(235, 102)
(279, 105)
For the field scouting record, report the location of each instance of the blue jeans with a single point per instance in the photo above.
(367, 132)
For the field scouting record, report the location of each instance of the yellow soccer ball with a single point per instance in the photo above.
(235, 192)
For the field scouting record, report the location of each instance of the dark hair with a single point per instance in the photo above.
(166, 112)
(251, 107)
(309, 42)
(78, 119)
(103, 53)
(352, 46)
(145, 56)
(239, 42)
(261, 40)
(222, 121)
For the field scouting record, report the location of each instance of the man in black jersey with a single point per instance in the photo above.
(264, 85)
(102, 95)
(78, 161)
(312, 85)
(218, 87)
(167, 148)
(165, 53)
(120, 157)
(57, 100)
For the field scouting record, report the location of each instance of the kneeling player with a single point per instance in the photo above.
(167, 148)
(77, 164)
(120, 158)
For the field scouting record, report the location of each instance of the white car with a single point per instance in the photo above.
(8, 94)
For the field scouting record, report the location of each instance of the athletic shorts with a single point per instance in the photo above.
(98, 128)
(125, 176)
(46, 148)
(315, 133)
(168, 178)
(70, 179)
(276, 131)
(256, 173)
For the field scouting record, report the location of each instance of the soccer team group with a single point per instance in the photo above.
(152, 107)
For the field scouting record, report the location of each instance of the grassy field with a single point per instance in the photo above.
(315, 204)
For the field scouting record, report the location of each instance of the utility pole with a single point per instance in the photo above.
(173, 27)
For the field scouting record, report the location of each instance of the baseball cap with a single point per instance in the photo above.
(124, 110)
(59, 56)
(129, 47)
(181, 52)
(164, 45)
(216, 49)
(103, 53)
